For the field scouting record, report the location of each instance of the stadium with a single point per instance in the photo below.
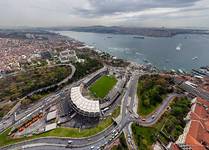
(98, 91)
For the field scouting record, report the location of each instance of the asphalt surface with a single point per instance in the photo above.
(104, 136)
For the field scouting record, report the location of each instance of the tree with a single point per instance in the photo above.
(178, 110)
(149, 147)
(147, 102)
(179, 128)
(144, 142)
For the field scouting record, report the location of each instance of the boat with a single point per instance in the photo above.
(164, 69)
(186, 72)
(146, 61)
(139, 37)
(194, 58)
(178, 47)
(167, 60)
(109, 37)
(173, 70)
(180, 71)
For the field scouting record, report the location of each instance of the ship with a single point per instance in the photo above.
(139, 37)
(194, 58)
(180, 71)
(167, 60)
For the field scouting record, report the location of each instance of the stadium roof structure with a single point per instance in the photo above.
(94, 74)
(86, 105)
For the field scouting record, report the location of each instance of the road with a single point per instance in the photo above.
(104, 136)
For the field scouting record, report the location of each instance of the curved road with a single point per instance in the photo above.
(102, 137)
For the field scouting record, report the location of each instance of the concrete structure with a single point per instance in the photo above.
(46, 54)
(68, 55)
(82, 105)
(51, 115)
(195, 89)
(52, 108)
(51, 127)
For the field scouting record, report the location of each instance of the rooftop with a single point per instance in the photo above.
(83, 103)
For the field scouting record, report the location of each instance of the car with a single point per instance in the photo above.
(92, 147)
(116, 133)
(103, 145)
(113, 137)
(110, 136)
(89, 139)
(153, 116)
(69, 142)
(155, 112)
(127, 135)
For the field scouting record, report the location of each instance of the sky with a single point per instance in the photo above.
(134, 13)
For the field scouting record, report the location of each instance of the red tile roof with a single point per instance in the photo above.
(202, 101)
(204, 87)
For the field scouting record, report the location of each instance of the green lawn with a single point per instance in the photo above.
(102, 87)
(65, 132)
(4, 135)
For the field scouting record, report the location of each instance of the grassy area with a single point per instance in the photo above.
(144, 136)
(102, 87)
(68, 132)
(116, 112)
(116, 147)
(162, 120)
(4, 135)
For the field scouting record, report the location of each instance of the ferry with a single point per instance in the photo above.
(180, 71)
(139, 37)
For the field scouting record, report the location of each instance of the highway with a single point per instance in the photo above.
(104, 136)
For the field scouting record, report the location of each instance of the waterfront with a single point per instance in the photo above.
(154, 49)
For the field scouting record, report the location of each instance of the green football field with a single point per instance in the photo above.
(102, 87)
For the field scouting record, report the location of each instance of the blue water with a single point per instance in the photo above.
(154, 49)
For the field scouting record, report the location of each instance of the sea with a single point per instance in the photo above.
(175, 52)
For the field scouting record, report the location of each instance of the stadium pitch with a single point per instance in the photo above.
(102, 87)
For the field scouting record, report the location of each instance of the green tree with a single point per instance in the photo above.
(178, 110)
(144, 142)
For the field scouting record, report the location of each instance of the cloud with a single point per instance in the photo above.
(115, 7)
(105, 12)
